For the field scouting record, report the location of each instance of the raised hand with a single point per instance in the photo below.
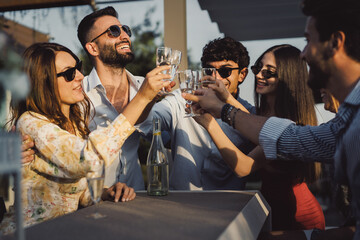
(207, 100)
(153, 83)
(204, 120)
(224, 95)
(221, 91)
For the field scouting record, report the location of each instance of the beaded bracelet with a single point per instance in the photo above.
(228, 115)
(233, 117)
(224, 111)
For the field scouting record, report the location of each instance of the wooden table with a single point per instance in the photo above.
(179, 215)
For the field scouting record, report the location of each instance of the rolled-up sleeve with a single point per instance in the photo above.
(270, 133)
(282, 138)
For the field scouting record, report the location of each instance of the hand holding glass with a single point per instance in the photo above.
(95, 179)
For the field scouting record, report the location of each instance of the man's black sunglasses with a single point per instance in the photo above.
(70, 73)
(224, 72)
(115, 31)
(266, 73)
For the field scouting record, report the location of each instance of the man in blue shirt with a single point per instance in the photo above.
(333, 54)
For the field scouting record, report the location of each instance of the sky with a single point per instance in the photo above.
(61, 25)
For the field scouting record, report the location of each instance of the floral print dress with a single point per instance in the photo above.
(54, 183)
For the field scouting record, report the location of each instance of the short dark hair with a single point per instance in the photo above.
(88, 21)
(335, 15)
(225, 49)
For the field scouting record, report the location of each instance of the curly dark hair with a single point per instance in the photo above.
(88, 21)
(225, 49)
(335, 15)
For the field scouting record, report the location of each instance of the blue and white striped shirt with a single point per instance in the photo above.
(347, 156)
(281, 138)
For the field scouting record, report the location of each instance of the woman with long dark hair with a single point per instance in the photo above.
(280, 90)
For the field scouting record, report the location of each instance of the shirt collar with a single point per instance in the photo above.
(94, 80)
(354, 97)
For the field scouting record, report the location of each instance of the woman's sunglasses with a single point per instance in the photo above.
(70, 74)
(115, 31)
(224, 72)
(264, 72)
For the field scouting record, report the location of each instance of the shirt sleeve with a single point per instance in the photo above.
(270, 134)
(62, 154)
(282, 138)
(162, 111)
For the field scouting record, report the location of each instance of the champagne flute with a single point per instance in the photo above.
(197, 78)
(187, 85)
(207, 72)
(163, 57)
(95, 179)
(174, 62)
(167, 56)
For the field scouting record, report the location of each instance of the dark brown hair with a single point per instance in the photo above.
(294, 99)
(88, 22)
(44, 97)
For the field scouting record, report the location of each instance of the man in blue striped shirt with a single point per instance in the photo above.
(333, 54)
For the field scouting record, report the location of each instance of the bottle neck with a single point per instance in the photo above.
(157, 131)
(156, 127)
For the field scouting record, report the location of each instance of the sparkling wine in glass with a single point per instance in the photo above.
(168, 56)
(197, 77)
(163, 55)
(95, 179)
(187, 85)
(174, 62)
(206, 72)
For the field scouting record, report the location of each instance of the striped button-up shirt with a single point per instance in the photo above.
(338, 139)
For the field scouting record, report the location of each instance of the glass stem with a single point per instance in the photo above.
(96, 208)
